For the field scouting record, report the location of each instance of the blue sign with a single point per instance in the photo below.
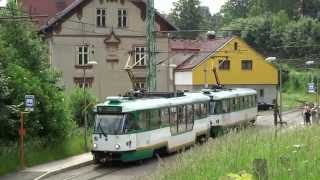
(29, 102)
(311, 88)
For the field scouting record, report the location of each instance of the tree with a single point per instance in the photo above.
(24, 58)
(77, 106)
(187, 15)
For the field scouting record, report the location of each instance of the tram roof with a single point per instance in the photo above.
(223, 94)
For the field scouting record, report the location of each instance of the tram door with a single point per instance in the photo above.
(226, 112)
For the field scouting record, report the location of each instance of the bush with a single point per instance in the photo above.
(77, 106)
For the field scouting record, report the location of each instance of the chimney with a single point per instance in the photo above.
(60, 5)
(211, 35)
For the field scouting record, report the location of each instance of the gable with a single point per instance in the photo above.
(77, 6)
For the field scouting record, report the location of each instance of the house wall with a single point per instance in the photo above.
(109, 76)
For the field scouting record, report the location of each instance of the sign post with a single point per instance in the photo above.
(29, 107)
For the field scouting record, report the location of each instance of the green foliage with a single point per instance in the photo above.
(290, 155)
(189, 15)
(77, 106)
(24, 59)
(277, 34)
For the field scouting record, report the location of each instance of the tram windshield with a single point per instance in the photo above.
(109, 124)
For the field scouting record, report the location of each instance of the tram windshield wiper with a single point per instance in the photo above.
(101, 129)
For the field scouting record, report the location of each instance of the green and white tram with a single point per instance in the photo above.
(130, 129)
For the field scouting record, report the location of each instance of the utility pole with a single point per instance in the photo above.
(151, 47)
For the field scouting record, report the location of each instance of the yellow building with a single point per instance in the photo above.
(236, 64)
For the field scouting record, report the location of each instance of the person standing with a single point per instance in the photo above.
(307, 114)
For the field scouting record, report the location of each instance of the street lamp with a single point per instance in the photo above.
(273, 59)
(90, 63)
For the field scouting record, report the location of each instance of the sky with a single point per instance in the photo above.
(166, 5)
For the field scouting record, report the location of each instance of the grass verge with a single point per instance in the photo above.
(37, 152)
(289, 155)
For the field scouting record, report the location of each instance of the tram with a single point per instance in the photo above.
(134, 128)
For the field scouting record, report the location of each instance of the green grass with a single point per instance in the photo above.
(293, 100)
(38, 153)
(293, 154)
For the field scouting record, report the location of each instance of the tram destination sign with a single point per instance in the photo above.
(108, 109)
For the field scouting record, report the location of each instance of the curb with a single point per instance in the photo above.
(51, 173)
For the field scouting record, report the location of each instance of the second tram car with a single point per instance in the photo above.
(130, 129)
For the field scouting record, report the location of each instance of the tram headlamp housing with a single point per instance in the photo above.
(117, 146)
(95, 146)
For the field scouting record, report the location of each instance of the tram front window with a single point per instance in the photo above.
(109, 124)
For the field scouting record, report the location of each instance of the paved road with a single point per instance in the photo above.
(137, 170)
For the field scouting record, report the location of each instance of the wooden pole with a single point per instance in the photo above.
(22, 133)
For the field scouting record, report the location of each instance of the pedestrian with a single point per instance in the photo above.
(307, 114)
(314, 114)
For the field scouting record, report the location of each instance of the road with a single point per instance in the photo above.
(138, 170)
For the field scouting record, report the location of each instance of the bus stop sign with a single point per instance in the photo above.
(311, 88)
(29, 103)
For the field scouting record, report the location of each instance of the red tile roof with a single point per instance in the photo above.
(44, 7)
(193, 52)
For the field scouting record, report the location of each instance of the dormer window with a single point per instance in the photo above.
(101, 18)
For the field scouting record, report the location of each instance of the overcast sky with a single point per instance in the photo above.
(166, 5)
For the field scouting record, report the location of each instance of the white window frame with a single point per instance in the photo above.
(122, 18)
(140, 56)
(100, 17)
(83, 55)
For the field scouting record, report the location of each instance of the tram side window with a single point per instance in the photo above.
(154, 119)
(237, 103)
(204, 110)
(132, 125)
(218, 107)
(173, 120)
(246, 102)
(197, 111)
(182, 124)
(165, 121)
(211, 107)
(255, 100)
(189, 117)
(232, 104)
(225, 106)
(143, 122)
(242, 104)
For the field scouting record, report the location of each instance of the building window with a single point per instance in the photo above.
(224, 64)
(139, 85)
(140, 56)
(261, 92)
(246, 64)
(122, 18)
(83, 55)
(79, 82)
(101, 17)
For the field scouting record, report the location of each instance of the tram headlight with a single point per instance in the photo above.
(117, 146)
(95, 146)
